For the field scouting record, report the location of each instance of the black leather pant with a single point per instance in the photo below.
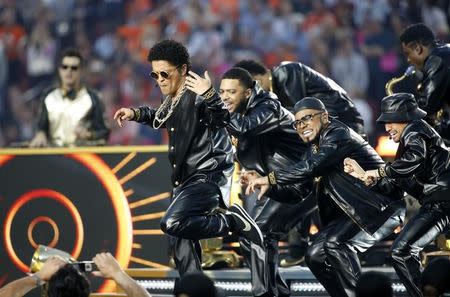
(332, 262)
(431, 220)
(190, 217)
(275, 219)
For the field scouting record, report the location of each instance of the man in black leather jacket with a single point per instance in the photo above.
(346, 206)
(292, 81)
(265, 140)
(433, 60)
(200, 153)
(423, 158)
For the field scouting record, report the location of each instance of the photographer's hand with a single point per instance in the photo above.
(20, 287)
(109, 268)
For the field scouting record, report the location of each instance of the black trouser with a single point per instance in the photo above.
(431, 220)
(190, 217)
(332, 262)
(275, 219)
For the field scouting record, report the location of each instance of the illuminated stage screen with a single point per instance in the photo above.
(83, 201)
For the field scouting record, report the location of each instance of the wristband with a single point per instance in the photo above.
(37, 279)
(382, 171)
(137, 114)
(209, 93)
(272, 178)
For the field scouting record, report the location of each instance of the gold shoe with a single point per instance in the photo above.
(289, 262)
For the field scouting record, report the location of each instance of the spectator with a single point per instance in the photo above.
(68, 282)
(41, 54)
(349, 68)
(374, 284)
(13, 36)
(22, 286)
(195, 285)
(436, 278)
(64, 280)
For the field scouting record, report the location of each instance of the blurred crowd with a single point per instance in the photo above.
(354, 42)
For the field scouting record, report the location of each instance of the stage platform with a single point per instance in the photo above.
(236, 282)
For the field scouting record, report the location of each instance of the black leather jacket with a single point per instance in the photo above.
(423, 156)
(268, 141)
(293, 81)
(435, 89)
(369, 209)
(266, 138)
(199, 145)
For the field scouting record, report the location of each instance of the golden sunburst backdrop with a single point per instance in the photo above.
(84, 201)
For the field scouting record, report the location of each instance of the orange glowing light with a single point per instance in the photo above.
(138, 170)
(149, 263)
(42, 194)
(150, 200)
(398, 229)
(386, 147)
(120, 204)
(5, 158)
(313, 229)
(52, 223)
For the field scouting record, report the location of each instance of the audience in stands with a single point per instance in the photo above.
(114, 37)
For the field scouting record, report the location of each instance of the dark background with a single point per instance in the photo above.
(71, 178)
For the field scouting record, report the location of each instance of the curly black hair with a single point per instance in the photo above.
(172, 51)
(252, 66)
(68, 282)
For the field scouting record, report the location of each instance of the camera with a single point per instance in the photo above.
(85, 266)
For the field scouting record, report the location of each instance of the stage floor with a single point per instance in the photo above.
(236, 282)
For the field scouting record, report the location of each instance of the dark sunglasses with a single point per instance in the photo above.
(71, 67)
(305, 120)
(164, 74)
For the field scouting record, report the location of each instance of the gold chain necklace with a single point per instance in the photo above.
(168, 106)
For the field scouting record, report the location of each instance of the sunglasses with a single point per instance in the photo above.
(164, 74)
(71, 67)
(305, 120)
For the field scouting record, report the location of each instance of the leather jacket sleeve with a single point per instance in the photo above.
(146, 116)
(435, 84)
(261, 119)
(292, 193)
(412, 159)
(43, 122)
(394, 188)
(334, 145)
(98, 126)
(214, 112)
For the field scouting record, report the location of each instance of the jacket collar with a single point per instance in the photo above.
(258, 94)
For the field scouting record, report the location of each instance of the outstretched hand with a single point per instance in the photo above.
(246, 176)
(352, 167)
(198, 84)
(123, 114)
(261, 183)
